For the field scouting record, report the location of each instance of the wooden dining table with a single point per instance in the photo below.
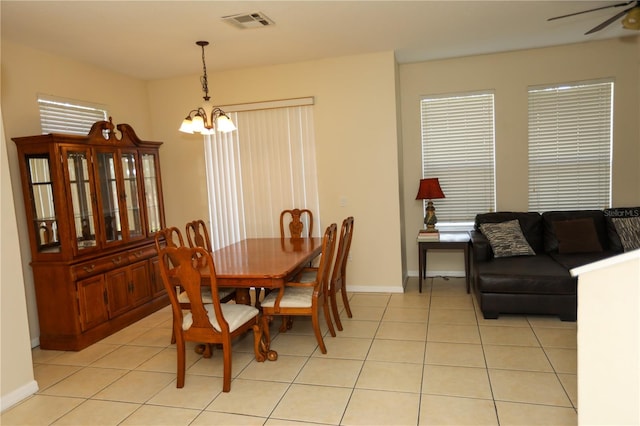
(262, 263)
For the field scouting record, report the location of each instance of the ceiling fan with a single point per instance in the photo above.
(631, 20)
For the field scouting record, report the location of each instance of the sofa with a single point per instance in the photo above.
(521, 261)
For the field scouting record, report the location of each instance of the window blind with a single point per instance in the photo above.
(264, 167)
(570, 138)
(458, 148)
(58, 115)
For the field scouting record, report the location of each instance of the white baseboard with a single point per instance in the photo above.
(374, 289)
(438, 274)
(35, 342)
(12, 398)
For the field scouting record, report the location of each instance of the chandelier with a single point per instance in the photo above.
(198, 120)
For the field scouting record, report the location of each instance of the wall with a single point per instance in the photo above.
(609, 341)
(509, 75)
(27, 72)
(356, 143)
(16, 371)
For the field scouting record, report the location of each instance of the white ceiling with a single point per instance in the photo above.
(156, 39)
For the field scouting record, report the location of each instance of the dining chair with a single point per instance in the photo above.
(296, 225)
(198, 236)
(209, 323)
(305, 299)
(338, 281)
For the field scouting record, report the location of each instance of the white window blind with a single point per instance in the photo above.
(264, 167)
(458, 149)
(570, 138)
(58, 115)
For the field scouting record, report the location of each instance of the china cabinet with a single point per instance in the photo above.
(93, 205)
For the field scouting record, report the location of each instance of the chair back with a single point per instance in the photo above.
(184, 265)
(198, 235)
(328, 246)
(171, 236)
(296, 225)
(342, 255)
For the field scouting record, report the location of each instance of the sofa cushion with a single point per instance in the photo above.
(538, 274)
(530, 223)
(577, 236)
(618, 212)
(548, 219)
(628, 230)
(573, 260)
(506, 239)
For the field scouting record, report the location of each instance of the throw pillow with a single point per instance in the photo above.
(628, 230)
(577, 236)
(506, 239)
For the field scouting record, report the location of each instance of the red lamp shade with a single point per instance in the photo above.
(429, 189)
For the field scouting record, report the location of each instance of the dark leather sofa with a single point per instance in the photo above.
(540, 283)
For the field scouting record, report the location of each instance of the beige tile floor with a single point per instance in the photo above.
(403, 359)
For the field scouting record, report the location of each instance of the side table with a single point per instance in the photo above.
(448, 241)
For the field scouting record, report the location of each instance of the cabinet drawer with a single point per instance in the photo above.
(141, 253)
(98, 266)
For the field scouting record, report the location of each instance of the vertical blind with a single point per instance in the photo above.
(570, 138)
(266, 166)
(58, 115)
(458, 148)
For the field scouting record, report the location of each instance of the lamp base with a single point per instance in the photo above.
(430, 218)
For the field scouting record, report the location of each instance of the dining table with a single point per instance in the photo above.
(262, 263)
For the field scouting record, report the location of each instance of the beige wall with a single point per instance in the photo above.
(356, 134)
(26, 73)
(509, 75)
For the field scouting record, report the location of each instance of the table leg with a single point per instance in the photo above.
(467, 268)
(243, 297)
(419, 268)
(262, 341)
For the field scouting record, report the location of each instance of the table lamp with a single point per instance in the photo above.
(430, 190)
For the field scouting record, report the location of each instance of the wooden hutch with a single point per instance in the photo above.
(93, 205)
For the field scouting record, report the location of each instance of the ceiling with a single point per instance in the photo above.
(156, 39)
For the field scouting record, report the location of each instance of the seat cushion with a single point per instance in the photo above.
(294, 297)
(525, 275)
(206, 294)
(235, 315)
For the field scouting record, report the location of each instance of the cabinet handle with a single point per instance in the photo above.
(117, 260)
(138, 254)
(89, 268)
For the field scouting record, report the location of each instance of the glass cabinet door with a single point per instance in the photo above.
(109, 196)
(79, 176)
(152, 197)
(45, 221)
(131, 192)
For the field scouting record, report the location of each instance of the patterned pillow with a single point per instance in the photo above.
(506, 239)
(628, 230)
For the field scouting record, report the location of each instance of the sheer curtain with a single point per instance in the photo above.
(266, 166)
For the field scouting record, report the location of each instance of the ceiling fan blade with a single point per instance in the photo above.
(608, 21)
(592, 10)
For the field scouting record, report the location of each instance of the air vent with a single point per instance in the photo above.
(249, 20)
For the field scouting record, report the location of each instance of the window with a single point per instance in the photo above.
(58, 115)
(458, 148)
(264, 167)
(570, 137)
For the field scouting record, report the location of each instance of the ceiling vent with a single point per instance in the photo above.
(249, 20)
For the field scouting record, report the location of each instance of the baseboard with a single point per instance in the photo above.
(374, 289)
(35, 342)
(431, 274)
(12, 398)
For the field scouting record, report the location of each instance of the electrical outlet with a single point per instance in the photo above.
(343, 201)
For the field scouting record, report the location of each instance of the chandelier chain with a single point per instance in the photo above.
(203, 79)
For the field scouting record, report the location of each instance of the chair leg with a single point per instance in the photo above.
(334, 309)
(327, 317)
(226, 375)
(318, 333)
(180, 349)
(345, 301)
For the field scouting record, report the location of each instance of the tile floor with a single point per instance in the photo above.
(403, 359)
